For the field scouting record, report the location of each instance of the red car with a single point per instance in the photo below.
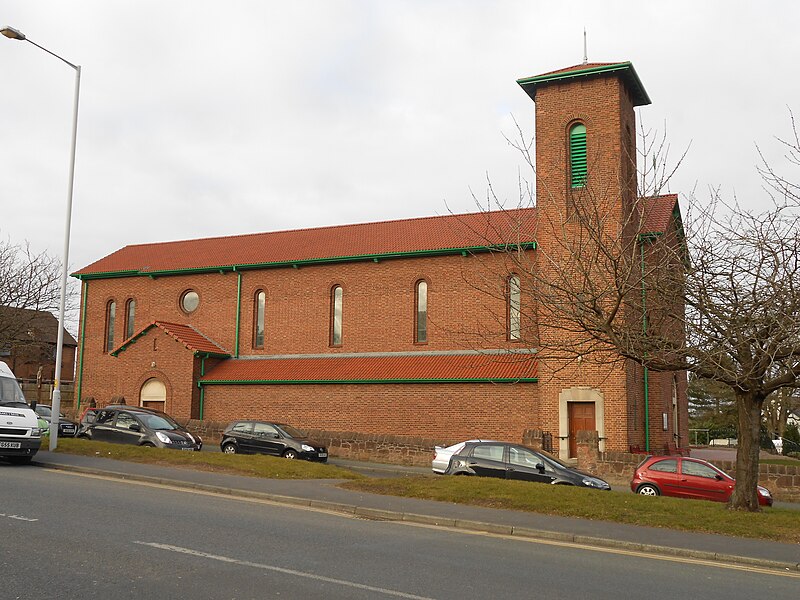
(686, 478)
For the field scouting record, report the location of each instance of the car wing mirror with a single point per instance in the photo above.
(275, 436)
(540, 467)
(718, 477)
(135, 427)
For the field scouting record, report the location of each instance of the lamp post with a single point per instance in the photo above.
(15, 34)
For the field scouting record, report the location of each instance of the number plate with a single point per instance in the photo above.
(323, 455)
(10, 444)
(189, 449)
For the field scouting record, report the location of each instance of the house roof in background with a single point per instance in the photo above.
(35, 325)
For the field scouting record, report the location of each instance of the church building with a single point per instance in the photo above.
(417, 327)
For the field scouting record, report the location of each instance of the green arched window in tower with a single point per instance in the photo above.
(577, 155)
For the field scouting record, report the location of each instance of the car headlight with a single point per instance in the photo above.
(307, 448)
(595, 483)
(163, 437)
(764, 492)
(36, 432)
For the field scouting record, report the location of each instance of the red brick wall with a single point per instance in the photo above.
(378, 305)
(444, 411)
(155, 354)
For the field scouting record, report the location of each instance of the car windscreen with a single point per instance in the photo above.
(157, 422)
(291, 431)
(44, 411)
(10, 391)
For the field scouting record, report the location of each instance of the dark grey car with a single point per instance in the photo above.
(511, 461)
(138, 426)
(277, 439)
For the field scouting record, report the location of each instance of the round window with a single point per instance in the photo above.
(190, 301)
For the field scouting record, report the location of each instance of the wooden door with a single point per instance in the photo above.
(581, 418)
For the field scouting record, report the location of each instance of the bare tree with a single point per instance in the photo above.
(28, 281)
(715, 291)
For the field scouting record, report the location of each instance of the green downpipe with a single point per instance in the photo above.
(83, 340)
(238, 312)
(202, 388)
(646, 370)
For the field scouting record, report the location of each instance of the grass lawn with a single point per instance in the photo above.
(672, 513)
(270, 467)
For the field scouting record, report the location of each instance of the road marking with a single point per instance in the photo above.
(564, 544)
(247, 563)
(18, 518)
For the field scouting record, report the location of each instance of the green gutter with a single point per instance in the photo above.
(238, 313)
(640, 96)
(357, 381)
(576, 73)
(83, 344)
(202, 389)
(304, 262)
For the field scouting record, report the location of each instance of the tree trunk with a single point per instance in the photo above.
(745, 496)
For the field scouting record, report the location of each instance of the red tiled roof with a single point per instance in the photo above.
(658, 213)
(624, 70)
(400, 368)
(387, 237)
(580, 67)
(185, 334)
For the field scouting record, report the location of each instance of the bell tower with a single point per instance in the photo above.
(585, 170)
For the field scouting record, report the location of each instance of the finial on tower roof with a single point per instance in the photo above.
(585, 56)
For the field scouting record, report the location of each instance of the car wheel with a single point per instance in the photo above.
(648, 490)
(291, 454)
(229, 449)
(148, 445)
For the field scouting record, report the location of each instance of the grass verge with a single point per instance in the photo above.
(270, 467)
(672, 513)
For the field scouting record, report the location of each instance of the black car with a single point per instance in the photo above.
(136, 425)
(510, 461)
(278, 439)
(66, 428)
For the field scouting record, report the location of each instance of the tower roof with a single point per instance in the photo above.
(624, 70)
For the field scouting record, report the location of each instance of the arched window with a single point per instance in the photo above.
(336, 315)
(577, 155)
(130, 317)
(111, 318)
(153, 394)
(514, 308)
(258, 319)
(421, 315)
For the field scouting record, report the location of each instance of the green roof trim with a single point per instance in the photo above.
(625, 69)
(303, 262)
(366, 381)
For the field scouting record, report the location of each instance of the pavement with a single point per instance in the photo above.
(325, 495)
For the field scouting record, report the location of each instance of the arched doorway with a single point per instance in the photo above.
(153, 394)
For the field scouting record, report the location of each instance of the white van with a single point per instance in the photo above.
(20, 436)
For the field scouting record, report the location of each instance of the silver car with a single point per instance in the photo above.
(441, 459)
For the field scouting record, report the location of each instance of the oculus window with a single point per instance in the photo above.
(189, 301)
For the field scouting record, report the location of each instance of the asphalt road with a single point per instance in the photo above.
(68, 536)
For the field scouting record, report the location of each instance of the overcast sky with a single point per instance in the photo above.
(203, 118)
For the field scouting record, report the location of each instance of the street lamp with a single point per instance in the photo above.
(15, 34)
